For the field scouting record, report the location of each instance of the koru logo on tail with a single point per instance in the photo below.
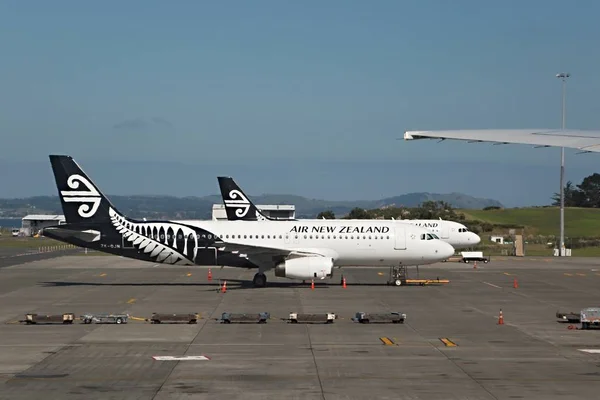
(90, 197)
(239, 201)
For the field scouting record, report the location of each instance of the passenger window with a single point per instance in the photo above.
(244, 236)
(305, 236)
(262, 236)
(296, 236)
(387, 237)
(280, 236)
(369, 237)
(209, 236)
(328, 237)
(422, 236)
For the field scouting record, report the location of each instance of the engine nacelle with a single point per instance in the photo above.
(305, 268)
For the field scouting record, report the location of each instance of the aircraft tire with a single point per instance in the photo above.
(260, 280)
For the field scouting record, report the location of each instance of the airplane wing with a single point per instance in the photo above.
(268, 256)
(586, 141)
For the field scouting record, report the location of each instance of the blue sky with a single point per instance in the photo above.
(294, 97)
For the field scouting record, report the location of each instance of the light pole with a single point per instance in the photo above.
(563, 76)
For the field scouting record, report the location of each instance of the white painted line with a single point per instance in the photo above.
(491, 284)
(593, 351)
(181, 358)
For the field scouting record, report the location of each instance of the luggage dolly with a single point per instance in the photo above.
(33, 318)
(105, 318)
(381, 318)
(258, 318)
(326, 318)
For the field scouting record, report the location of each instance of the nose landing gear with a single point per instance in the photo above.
(399, 275)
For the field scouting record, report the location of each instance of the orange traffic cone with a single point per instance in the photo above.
(500, 318)
(209, 275)
(344, 282)
(224, 287)
(475, 265)
(312, 284)
(515, 284)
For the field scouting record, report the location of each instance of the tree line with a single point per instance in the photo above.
(586, 194)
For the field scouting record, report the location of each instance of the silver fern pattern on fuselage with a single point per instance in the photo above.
(160, 240)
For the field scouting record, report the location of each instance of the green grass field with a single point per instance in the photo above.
(579, 222)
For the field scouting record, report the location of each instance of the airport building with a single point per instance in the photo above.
(281, 211)
(32, 224)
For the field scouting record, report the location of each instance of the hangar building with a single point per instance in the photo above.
(32, 224)
(282, 211)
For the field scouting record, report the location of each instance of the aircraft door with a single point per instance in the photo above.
(400, 238)
(444, 231)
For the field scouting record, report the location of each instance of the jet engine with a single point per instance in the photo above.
(305, 268)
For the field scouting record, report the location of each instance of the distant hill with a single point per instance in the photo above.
(201, 207)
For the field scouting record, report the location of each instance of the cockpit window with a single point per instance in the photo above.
(463, 230)
(435, 236)
(429, 236)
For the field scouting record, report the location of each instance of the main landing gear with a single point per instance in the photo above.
(260, 280)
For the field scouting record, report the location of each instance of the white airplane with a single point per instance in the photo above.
(239, 207)
(295, 249)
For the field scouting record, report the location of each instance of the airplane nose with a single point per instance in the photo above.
(445, 250)
(475, 239)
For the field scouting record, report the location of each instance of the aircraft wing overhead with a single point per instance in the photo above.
(584, 140)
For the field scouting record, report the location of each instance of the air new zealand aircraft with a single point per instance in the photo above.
(295, 249)
(239, 207)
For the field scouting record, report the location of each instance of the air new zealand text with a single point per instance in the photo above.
(340, 229)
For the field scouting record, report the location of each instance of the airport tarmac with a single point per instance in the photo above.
(531, 356)
(15, 256)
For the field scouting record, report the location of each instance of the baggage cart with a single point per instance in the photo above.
(380, 318)
(590, 317)
(187, 318)
(104, 318)
(260, 318)
(33, 318)
(571, 316)
(326, 318)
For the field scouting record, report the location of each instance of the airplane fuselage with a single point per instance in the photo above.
(189, 242)
(368, 243)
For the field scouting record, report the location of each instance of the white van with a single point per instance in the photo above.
(15, 232)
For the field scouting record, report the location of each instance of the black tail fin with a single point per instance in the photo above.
(237, 205)
(80, 198)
